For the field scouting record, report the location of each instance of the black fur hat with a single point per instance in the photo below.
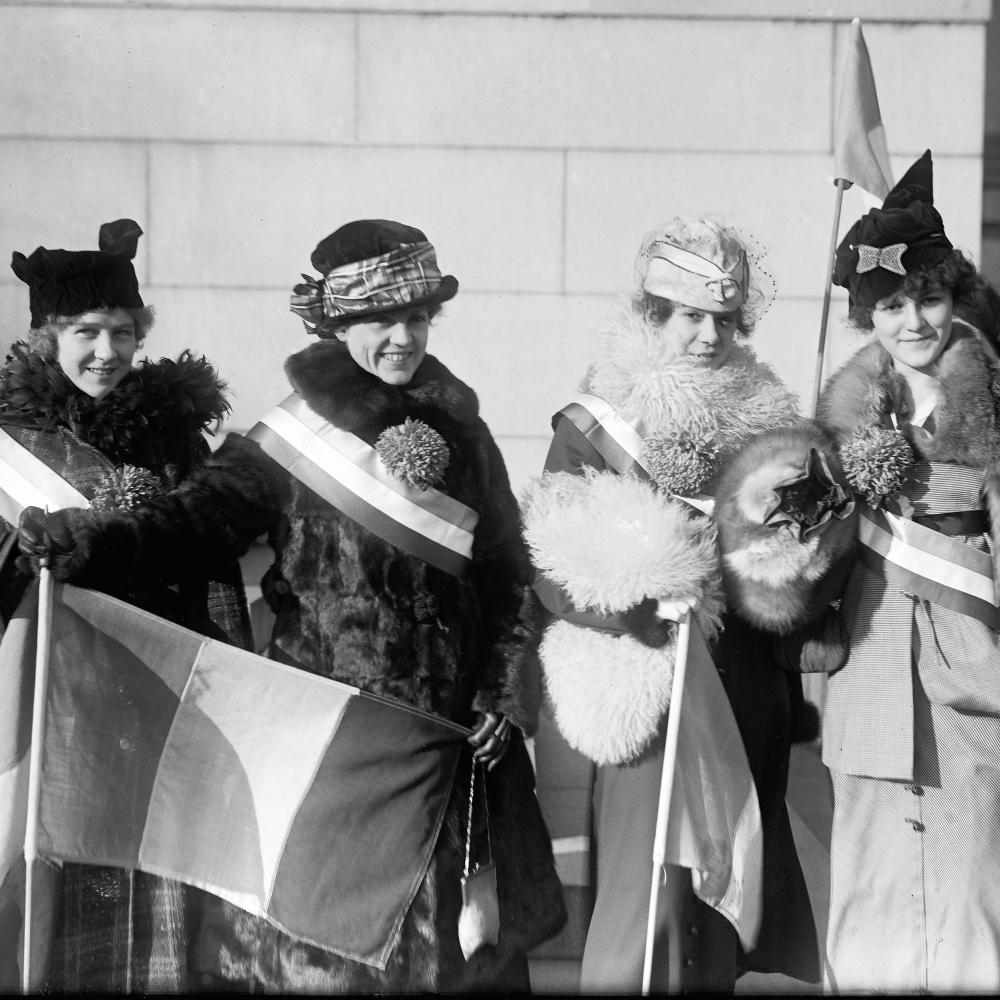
(70, 282)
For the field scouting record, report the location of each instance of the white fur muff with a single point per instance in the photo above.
(611, 542)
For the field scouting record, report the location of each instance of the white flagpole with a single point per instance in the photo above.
(666, 792)
(842, 186)
(35, 760)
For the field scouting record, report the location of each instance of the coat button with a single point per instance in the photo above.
(688, 963)
(127, 743)
(916, 789)
(693, 930)
(916, 824)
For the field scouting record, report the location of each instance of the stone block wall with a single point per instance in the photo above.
(534, 141)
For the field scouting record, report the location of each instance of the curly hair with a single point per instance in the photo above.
(955, 273)
(657, 310)
(44, 340)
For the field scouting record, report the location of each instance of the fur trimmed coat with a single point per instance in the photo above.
(350, 606)
(143, 439)
(604, 622)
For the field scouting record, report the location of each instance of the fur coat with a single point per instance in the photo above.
(353, 607)
(143, 439)
(864, 392)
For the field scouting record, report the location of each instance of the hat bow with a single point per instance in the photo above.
(890, 258)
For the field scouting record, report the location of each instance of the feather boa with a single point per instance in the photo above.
(154, 401)
(643, 375)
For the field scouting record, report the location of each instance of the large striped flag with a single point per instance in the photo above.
(859, 146)
(303, 801)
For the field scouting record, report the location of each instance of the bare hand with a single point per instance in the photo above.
(491, 739)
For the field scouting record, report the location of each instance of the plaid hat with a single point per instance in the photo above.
(70, 282)
(905, 234)
(696, 262)
(370, 266)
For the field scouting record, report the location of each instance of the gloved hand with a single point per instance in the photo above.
(491, 738)
(43, 539)
(645, 624)
(89, 548)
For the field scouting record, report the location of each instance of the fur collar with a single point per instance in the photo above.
(643, 375)
(341, 391)
(158, 399)
(866, 389)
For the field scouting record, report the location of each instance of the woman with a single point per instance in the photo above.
(912, 734)
(119, 433)
(362, 595)
(673, 393)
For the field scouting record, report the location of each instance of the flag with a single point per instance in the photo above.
(859, 147)
(302, 800)
(714, 827)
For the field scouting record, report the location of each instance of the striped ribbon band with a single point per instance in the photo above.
(26, 481)
(923, 562)
(617, 441)
(348, 474)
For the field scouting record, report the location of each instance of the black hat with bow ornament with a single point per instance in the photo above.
(905, 234)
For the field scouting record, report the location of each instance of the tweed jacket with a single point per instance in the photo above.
(897, 639)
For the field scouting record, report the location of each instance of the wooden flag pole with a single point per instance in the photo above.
(35, 760)
(842, 186)
(666, 793)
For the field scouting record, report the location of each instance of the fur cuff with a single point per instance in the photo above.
(613, 541)
(609, 694)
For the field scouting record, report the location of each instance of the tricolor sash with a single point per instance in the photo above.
(347, 473)
(619, 442)
(26, 481)
(920, 561)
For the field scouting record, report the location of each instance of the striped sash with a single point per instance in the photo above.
(617, 441)
(347, 473)
(923, 562)
(26, 481)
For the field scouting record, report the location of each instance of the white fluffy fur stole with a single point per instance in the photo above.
(643, 374)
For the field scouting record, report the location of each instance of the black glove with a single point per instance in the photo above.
(645, 625)
(42, 539)
(94, 549)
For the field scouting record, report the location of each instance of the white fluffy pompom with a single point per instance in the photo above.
(611, 541)
(609, 693)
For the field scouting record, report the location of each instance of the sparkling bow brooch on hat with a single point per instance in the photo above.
(890, 257)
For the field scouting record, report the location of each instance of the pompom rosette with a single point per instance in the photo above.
(876, 461)
(611, 542)
(414, 453)
(126, 489)
(680, 464)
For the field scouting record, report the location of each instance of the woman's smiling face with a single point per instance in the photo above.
(95, 350)
(914, 331)
(390, 345)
